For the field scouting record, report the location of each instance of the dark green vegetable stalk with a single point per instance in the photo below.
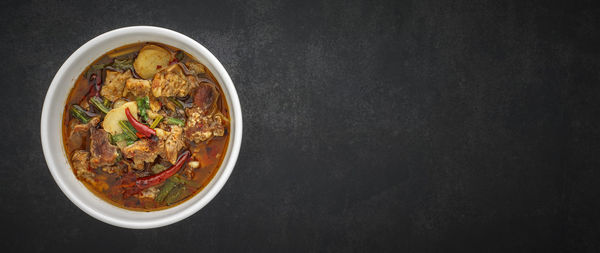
(175, 121)
(78, 112)
(98, 103)
(156, 121)
(106, 103)
(143, 104)
(122, 64)
(177, 103)
(128, 129)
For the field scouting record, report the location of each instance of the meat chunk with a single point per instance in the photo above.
(114, 83)
(81, 164)
(80, 131)
(103, 153)
(152, 114)
(172, 82)
(200, 127)
(171, 141)
(195, 68)
(81, 128)
(155, 105)
(137, 87)
(206, 96)
(174, 143)
(119, 169)
(144, 150)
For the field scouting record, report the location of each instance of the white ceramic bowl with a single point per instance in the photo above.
(52, 140)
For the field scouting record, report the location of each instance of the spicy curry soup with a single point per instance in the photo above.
(210, 154)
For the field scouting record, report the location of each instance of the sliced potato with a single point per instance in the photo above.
(112, 118)
(150, 59)
(119, 103)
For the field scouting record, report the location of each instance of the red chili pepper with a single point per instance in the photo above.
(149, 181)
(142, 129)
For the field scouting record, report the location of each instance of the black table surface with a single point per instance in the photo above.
(369, 126)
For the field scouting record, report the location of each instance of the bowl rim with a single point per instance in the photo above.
(226, 167)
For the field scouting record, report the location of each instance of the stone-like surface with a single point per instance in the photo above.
(400, 126)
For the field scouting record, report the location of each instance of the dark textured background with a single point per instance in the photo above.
(370, 126)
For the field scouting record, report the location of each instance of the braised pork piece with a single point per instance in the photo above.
(145, 127)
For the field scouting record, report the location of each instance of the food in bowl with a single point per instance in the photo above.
(146, 126)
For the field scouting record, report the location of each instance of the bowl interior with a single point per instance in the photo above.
(51, 128)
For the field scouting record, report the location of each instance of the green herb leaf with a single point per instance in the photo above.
(143, 104)
(174, 195)
(164, 190)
